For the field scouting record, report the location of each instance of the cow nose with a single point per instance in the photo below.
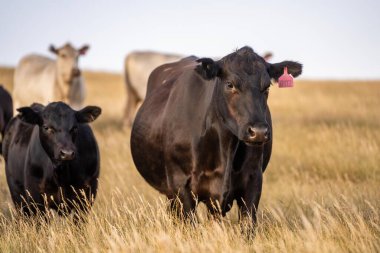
(75, 72)
(258, 133)
(66, 155)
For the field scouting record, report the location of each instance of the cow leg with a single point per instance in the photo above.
(183, 205)
(29, 208)
(34, 205)
(82, 201)
(20, 202)
(32, 200)
(249, 201)
(131, 107)
(214, 209)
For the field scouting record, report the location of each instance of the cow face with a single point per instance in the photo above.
(67, 61)
(58, 127)
(242, 86)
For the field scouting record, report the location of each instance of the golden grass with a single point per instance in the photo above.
(321, 189)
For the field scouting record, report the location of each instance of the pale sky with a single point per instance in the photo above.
(333, 39)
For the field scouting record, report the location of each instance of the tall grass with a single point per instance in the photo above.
(321, 189)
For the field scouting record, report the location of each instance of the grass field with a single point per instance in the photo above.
(321, 190)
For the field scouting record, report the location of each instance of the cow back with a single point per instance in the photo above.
(139, 65)
(34, 80)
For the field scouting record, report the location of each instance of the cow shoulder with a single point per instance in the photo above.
(35, 61)
(16, 133)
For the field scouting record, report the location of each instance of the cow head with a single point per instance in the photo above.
(58, 127)
(241, 91)
(67, 61)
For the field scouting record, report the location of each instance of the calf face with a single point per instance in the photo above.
(242, 88)
(67, 61)
(58, 127)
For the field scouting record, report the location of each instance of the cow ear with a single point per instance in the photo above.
(88, 114)
(208, 68)
(28, 115)
(277, 69)
(53, 49)
(83, 50)
(267, 56)
(37, 107)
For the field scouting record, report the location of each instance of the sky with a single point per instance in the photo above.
(333, 39)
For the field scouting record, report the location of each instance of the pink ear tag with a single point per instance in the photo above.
(286, 80)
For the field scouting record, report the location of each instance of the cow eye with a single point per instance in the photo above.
(230, 86)
(47, 129)
(63, 56)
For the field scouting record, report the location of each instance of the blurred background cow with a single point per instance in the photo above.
(137, 67)
(41, 79)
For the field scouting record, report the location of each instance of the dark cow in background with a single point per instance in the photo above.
(205, 130)
(52, 158)
(6, 111)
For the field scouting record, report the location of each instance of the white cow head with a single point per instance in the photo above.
(67, 61)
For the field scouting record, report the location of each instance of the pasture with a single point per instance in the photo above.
(320, 194)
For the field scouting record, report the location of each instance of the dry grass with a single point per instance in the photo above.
(321, 189)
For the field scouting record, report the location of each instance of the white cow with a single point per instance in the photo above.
(137, 67)
(41, 79)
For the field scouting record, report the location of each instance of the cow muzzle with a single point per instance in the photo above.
(66, 155)
(75, 73)
(257, 134)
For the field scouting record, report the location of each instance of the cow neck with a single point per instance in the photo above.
(62, 88)
(61, 174)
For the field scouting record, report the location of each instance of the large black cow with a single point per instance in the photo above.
(204, 131)
(52, 158)
(6, 110)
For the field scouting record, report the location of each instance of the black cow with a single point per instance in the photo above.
(204, 131)
(52, 158)
(6, 110)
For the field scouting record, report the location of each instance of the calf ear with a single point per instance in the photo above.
(37, 107)
(53, 49)
(208, 68)
(88, 114)
(276, 70)
(83, 50)
(28, 115)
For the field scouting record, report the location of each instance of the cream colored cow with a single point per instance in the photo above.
(137, 68)
(41, 79)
